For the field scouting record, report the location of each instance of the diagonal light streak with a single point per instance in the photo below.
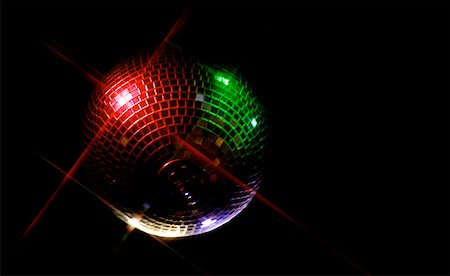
(66, 178)
(78, 182)
(87, 150)
(266, 202)
(129, 227)
(176, 27)
(93, 76)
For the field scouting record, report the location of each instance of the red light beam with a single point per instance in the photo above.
(93, 71)
(176, 27)
(129, 227)
(78, 182)
(94, 76)
(66, 178)
(267, 202)
(86, 151)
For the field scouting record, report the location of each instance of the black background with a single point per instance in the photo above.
(357, 94)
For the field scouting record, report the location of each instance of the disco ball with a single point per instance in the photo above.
(172, 140)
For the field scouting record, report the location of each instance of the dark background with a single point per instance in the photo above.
(357, 94)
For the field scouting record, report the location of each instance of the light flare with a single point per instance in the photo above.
(124, 98)
(133, 222)
(86, 151)
(266, 202)
(92, 75)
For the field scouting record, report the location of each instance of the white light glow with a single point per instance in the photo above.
(134, 222)
(124, 97)
(208, 222)
(254, 122)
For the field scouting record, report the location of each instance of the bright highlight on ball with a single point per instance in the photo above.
(175, 138)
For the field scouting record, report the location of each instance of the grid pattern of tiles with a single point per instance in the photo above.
(143, 111)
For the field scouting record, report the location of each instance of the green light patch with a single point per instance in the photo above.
(221, 79)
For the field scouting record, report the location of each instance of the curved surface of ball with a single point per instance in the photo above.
(172, 138)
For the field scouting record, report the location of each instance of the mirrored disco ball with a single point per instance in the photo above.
(173, 139)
